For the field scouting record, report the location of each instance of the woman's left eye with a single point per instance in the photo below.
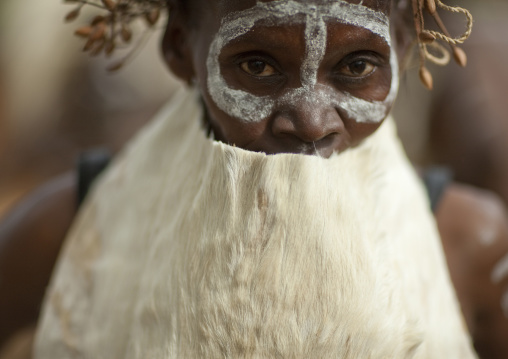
(258, 68)
(358, 68)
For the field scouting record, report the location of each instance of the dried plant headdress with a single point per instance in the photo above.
(105, 32)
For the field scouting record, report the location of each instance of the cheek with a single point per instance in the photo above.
(360, 131)
(228, 129)
(225, 128)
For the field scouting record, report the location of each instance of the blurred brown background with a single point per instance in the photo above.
(56, 101)
(463, 122)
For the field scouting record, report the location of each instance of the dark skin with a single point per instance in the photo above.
(468, 134)
(31, 235)
(460, 216)
(482, 107)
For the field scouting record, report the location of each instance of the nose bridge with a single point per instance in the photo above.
(310, 117)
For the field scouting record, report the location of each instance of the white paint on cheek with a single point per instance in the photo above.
(251, 108)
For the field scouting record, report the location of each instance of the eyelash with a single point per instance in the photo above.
(247, 58)
(369, 58)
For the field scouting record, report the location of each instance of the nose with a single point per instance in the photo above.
(313, 123)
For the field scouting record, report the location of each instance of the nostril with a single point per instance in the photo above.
(330, 137)
(313, 127)
(316, 133)
(307, 131)
(327, 145)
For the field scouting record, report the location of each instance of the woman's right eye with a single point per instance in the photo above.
(258, 68)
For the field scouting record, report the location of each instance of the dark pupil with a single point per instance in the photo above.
(256, 67)
(358, 67)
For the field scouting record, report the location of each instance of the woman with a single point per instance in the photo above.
(196, 248)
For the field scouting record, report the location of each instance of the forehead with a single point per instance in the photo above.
(237, 17)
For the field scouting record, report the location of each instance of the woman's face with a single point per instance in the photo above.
(294, 76)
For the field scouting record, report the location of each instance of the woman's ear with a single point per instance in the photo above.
(404, 35)
(175, 46)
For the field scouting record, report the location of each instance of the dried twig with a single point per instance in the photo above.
(104, 33)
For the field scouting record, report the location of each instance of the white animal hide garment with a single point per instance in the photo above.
(190, 248)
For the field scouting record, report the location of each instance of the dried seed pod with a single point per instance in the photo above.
(98, 49)
(73, 14)
(459, 56)
(97, 19)
(104, 32)
(153, 16)
(430, 5)
(126, 33)
(116, 66)
(109, 4)
(426, 37)
(109, 48)
(426, 78)
(89, 44)
(84, 31)
(99, 31)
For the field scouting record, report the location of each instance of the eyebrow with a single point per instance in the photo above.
(276, 39)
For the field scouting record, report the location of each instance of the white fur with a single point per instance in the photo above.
(190, 248)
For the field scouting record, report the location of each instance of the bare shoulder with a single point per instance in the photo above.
(474, 228)
(473, 217)
(31, 234)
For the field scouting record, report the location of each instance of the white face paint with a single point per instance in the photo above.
(251, 108)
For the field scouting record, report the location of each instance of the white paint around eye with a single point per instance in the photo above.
(248, 107)
(373, 111)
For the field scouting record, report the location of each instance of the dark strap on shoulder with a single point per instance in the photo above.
(436, 179)
(90, 164)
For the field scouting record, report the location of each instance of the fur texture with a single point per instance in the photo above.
(190, 248)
